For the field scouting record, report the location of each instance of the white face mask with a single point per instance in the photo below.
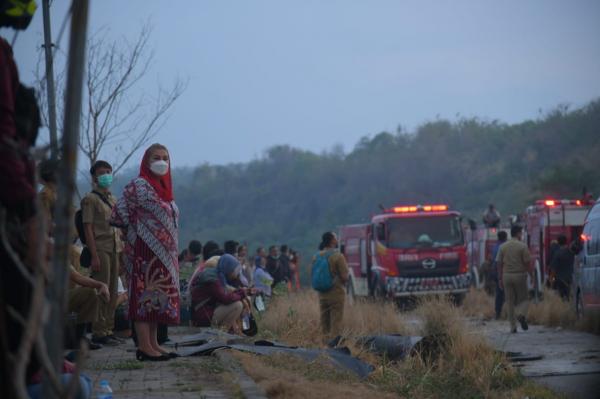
(159, 167)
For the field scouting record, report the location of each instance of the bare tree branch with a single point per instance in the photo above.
(119, 117)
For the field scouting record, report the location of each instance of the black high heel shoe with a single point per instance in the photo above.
(141, 356)
(170, 355)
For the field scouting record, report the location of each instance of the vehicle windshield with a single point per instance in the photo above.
(424, 232)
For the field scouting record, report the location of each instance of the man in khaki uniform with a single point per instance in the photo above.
(332, 301)
(105, 247)
(514, 263)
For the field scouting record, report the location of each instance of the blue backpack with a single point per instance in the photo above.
(322, 280)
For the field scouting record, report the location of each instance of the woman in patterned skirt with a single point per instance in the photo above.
(148, 215)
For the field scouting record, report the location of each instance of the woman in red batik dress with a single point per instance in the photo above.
(148, 215)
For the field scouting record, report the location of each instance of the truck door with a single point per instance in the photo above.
(363, 257)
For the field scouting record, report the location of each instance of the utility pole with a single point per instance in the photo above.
(50, 92)
(63, 213)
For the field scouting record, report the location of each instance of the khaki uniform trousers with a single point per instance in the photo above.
(227, 315)
(332, 311)
(109, 275)
(516, 296)
(83, 302)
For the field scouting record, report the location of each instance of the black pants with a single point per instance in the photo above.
(499, 299)
(563, 288)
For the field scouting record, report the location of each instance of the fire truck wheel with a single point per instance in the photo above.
(458, 299)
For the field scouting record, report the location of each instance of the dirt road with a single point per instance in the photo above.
(563, 360)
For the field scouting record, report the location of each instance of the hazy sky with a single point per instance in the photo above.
(313, 74)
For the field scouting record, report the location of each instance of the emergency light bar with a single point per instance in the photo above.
(420, 208)
(551, 202)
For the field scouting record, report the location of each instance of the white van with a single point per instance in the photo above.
(587, 266)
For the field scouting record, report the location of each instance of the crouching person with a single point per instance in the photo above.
(215, 300)
(83, 302)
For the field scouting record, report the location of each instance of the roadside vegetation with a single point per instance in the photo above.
(552, 311)
(460, 364)
(289, 195)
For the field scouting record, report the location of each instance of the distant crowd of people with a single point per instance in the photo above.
(218, 285)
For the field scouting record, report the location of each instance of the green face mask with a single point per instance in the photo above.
(104, 181)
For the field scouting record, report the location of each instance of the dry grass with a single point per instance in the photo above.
(478, 304)
(295, 319)
(284, 376)
(462, 365)
(466, 366)
(552, 311)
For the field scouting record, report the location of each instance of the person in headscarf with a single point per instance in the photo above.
(261, 277)
(213, 304)
(148, 215)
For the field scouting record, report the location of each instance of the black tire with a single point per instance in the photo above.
(376, 288)
(458, 299)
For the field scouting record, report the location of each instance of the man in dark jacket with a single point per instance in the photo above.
(562, 266)
(284, 262)
(274, 265)
(499, 301)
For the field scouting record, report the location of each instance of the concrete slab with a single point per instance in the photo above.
(570, 361)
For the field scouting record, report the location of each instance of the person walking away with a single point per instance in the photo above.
(562, 266)
(332, 298)
(212, 303)
(514, 263)
(105, 247)
(491, 217)
(148, 214)
(499, 292)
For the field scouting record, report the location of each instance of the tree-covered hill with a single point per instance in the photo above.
(291, 196)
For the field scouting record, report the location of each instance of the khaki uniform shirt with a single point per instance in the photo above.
(514, 256)
(95, 212)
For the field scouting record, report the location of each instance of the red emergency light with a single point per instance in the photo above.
(585, 237)
(552, 203)
(420, 208)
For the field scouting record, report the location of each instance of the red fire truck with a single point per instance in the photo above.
(407, 251)
(544, 222)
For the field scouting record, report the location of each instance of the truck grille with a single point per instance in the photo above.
(446, 267)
